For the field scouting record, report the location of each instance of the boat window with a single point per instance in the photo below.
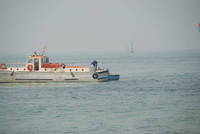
(70, 70)
(76, 69)
(30, 61)
(36, 60)
(47, 60)
(24, 69)
(36, 63)
(82, 69)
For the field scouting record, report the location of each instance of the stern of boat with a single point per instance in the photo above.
(101, 75)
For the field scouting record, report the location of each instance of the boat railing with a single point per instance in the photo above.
(71, 64)
(16, 65)
(78, 65)
(83, 65)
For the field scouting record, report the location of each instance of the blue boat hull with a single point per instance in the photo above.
(113, 77)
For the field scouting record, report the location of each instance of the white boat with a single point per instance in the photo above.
(39, 69)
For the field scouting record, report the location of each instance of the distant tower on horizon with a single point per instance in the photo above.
(131, 47)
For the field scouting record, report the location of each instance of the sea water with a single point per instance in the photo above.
(156, 94)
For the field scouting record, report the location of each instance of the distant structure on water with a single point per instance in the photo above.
(131, 47)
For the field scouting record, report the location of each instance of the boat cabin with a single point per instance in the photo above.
(40, 62)
(35, 62)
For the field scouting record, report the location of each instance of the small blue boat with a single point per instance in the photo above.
(113, 77)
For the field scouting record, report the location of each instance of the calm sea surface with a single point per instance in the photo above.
(156, 94)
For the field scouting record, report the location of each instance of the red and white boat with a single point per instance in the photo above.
(40, 69)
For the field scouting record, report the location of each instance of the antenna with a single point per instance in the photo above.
(36, 52)
(43, 53)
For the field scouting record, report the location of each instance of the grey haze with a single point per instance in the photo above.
(67, 26)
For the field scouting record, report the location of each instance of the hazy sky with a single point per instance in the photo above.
(66, 26)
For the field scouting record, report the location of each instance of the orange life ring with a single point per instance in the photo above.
(50, 65)
(30, 67)
(45, 66)
(53, 66)
(56, 65)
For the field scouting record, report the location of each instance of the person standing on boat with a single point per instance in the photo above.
(94, 63)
